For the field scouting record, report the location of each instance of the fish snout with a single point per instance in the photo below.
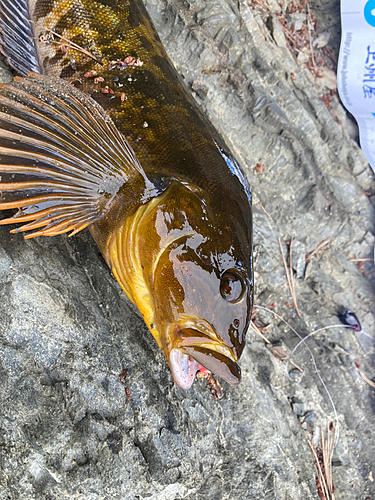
(199, 344)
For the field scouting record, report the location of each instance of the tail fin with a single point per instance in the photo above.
(62, 160)
(17, 38)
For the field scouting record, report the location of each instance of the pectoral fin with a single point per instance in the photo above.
(17, 37)
(62, 160)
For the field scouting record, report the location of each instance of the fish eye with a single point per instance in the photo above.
(232, 287)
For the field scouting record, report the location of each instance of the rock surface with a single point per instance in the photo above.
(67, 428)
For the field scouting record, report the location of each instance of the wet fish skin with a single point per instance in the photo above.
(175, 225)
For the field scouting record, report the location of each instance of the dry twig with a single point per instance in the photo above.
(290, 278)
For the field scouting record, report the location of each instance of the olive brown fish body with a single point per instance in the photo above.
(165, 201)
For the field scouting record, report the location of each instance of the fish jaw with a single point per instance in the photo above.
(199, 346)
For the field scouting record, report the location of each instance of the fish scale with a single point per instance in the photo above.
(103, 134)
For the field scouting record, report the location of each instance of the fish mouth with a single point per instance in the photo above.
(192, 348)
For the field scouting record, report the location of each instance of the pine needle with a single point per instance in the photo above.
(323, 462)
(290, 277)
(257, 331)
(73, 46)
(319, 247)
(366, 379)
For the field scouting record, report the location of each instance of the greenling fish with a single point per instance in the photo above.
(97, 131)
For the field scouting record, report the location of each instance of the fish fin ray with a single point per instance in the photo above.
(62, 159)
(17, 37)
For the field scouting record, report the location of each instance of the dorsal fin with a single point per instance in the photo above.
(62, 160)
(17, 38)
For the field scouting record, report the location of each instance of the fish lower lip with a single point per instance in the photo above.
(183, 368)
(217, 363)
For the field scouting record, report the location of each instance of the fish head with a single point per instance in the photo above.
(203, 312)
(201, 289)
(188, 269)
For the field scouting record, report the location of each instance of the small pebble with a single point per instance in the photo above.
(297, 406)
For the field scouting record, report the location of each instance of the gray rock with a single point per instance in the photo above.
(67, 428)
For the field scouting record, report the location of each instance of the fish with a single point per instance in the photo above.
(98, 131)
